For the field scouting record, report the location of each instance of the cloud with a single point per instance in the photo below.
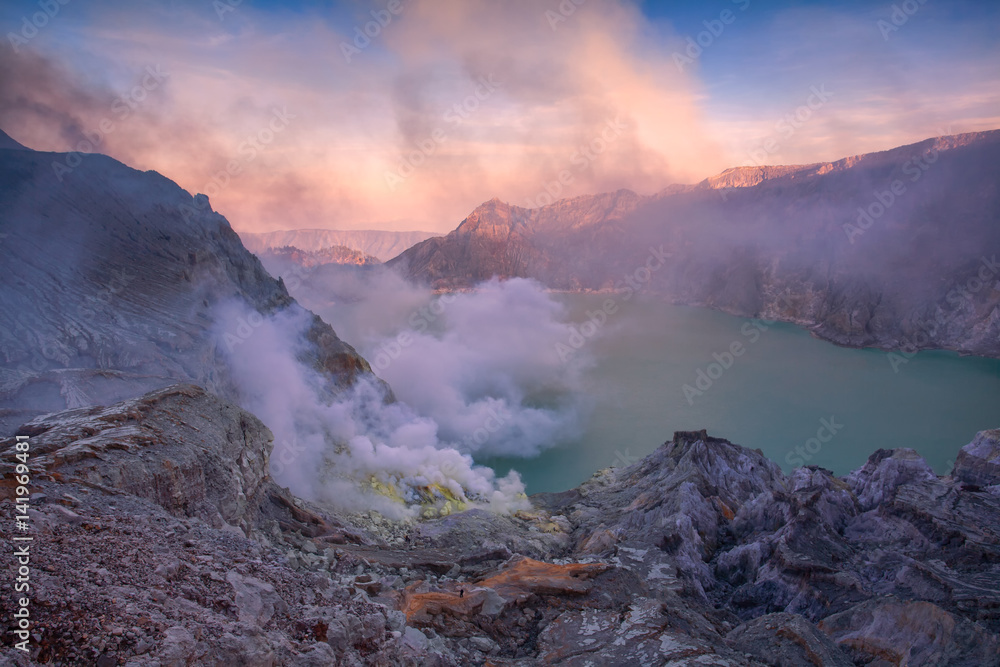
(352, 449)
(488, 373)
(473, 374)
(885, 92)
(413, 102)
(482, 365)
(554, 93)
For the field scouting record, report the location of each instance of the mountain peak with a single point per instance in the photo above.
(494, 211)
(8, 143)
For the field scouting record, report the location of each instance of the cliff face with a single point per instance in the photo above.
(159, 539)
(896, 249)
(111, 281)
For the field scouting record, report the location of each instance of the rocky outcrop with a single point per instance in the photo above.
(178, 447)
(978, 463)
(139, 521)
(787, 640)
(830, 246)
(748, 177)
(910, 633)
(181, 448)
(499, 239)
(159, 539)
(723, 526)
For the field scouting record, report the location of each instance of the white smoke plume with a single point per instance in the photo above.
(482, 364)
(487, 373)
(474, 373)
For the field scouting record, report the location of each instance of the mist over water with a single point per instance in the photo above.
(801, 400)
(483, 365)
(485, 369)
(352, 449)
(473, 374)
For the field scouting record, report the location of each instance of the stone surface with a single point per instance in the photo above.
(787, 640)
(911, 633)
(179, 447)
(702, 553)
(979, 462)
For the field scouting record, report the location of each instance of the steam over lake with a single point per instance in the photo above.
(801, 400)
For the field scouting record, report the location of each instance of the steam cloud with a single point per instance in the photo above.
(482, 365)
(474, 373)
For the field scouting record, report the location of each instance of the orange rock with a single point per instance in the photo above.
(519, 581)
(723, 508)
(527, 576)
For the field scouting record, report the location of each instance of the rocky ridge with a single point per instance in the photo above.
(274, 258)
(159, 539)
(830, 246)
(380, 244)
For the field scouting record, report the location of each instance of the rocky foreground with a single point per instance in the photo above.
(159, 539)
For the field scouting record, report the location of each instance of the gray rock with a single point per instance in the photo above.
(978, 463)
(493, 604)
(124, 301)
(176, 446)
(787, 640)
(396, 620)
(911, 633)
(415, 638)
(885, 471)
(483, 644)
(178, 648)
(256, 600)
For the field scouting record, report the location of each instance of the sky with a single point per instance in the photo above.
(407, 114)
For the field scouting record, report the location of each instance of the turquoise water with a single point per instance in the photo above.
(774, 396)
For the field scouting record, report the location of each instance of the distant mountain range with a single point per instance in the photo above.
(379, 244)
(278, 261)
(896, 249)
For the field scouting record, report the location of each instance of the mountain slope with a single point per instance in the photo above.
(114, 280)
(380, 244)
(8, 143)
(895, 249)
